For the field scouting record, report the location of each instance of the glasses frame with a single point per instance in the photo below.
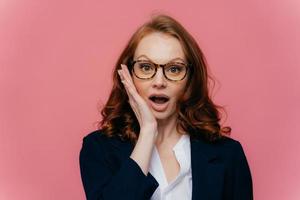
(162, 66)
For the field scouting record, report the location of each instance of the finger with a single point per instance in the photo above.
(134, 98)
(128, 89)
(123, 79)
(131, 87)
(127, 74)
(131, 100)
(129, 83)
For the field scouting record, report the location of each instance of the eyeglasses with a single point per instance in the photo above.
(173, 71)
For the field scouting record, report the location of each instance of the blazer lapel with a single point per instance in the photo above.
(207, 171)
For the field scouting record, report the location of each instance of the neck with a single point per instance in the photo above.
(167, 130)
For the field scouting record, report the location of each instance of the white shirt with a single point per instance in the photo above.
(181, 187)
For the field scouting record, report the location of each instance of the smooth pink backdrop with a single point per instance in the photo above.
(56, 59)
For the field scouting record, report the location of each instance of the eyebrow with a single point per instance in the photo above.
(174, 59)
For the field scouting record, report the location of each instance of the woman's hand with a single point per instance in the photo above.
(140, 107)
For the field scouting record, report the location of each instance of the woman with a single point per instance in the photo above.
(160, 136)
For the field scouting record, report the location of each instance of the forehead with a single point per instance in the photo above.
(160, 48)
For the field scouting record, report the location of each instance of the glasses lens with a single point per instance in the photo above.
(144, 69)
(175, 71)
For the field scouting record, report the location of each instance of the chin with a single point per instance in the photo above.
(162, 115)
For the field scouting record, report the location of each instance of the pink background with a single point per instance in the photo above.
(56, 59)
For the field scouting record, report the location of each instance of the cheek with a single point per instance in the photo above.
(181, 88)
(179, 91)
(141, 88)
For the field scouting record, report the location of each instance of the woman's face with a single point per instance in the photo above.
(160, 48)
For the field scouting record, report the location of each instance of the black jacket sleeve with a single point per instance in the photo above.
(102, 183)
(242, 180)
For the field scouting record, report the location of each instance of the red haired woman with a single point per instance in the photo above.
(160, 136)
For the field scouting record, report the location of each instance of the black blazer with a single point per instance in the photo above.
(220, 170)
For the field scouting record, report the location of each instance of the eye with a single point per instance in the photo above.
(146, 66)
(175, 68)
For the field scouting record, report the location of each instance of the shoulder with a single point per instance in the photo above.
(225, 143)
(226, 148)
(101, 142)
(230, 145)
(99, 137)
(94, 136)
(231, 151)
(92, 145)
(97, 148)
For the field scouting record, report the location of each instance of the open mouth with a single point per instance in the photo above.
(159, 99)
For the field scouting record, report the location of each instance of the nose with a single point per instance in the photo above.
(159, 80)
